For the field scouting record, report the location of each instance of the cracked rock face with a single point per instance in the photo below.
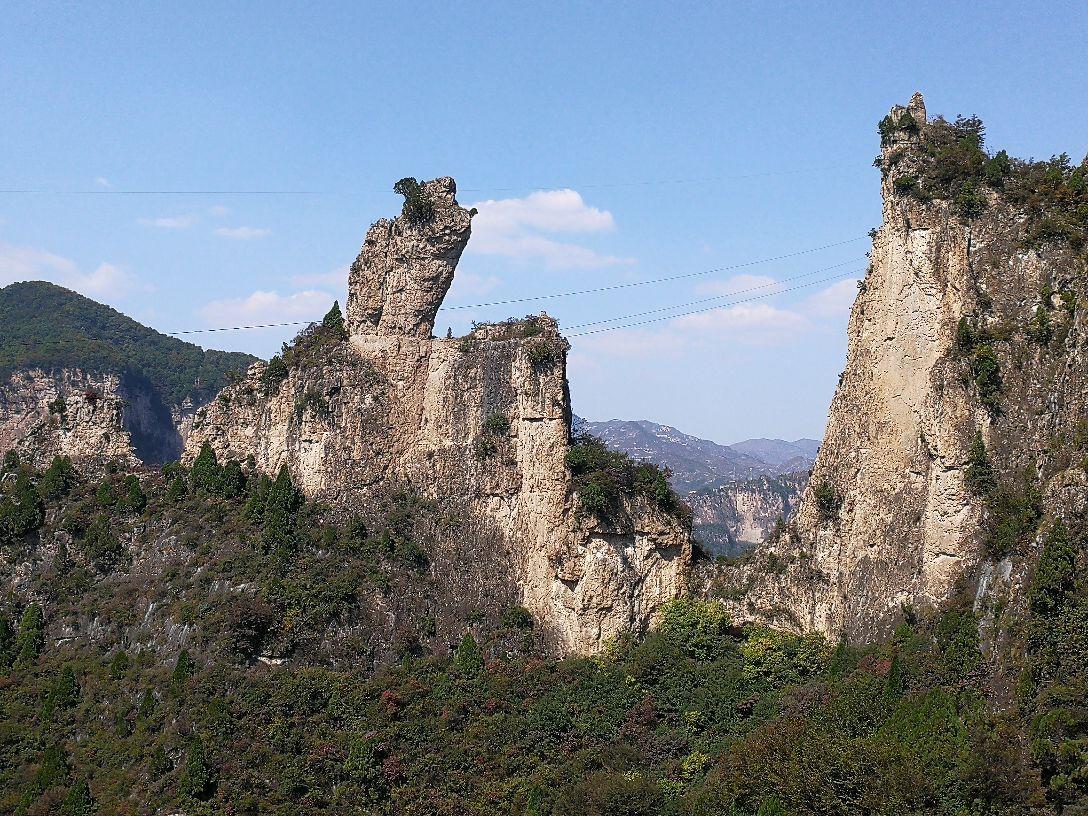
(404, 269)
(479, 424)
(897, 524)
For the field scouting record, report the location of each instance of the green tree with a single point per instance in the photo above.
(333, 322)
(7, 642)
(468, 659)
(206, 474)
(196, 779)
(233, 481)
(183, 670)
(1055, 573)
(59, 478)
(79, 801)
(177, 490)
(979, 474)
(278, 514)
(29, 642)
(133, 499)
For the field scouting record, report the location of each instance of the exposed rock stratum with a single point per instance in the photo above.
(479, 424)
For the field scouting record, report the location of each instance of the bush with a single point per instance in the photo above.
(133, 499)
(1013, 516)
(59, 478)
(603, 476)
(333, 322)
(496, 425)
(979, 474)
(21, 509)
(206, 474)
(274, 374)
(987, 375)
(828, 501)
(516, 617)
(699, 629)
(418, 207)
(31, 637)
(1055, 575)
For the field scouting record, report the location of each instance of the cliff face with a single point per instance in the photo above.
(734, 518)
(958, 425)
(65, 413)
(479, 424)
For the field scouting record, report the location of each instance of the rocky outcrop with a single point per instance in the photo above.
(734, 518)
(65, 413)
(968, 325)
(406, 266)
(478, 424)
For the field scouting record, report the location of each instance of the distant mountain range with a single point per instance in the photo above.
(699, 464)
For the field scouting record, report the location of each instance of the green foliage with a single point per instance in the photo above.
(965, 336)
(987, 376)
(468, 660)
(279, 513)
(333, 322)
(79, 801)
(59, 478)
(1054, 580)
(183, 670)
(196, 778)
(99, 545)
(21, 509)
(904, 185)
(206, 474)
(31, 637)
(496, 425)
(1013, 514)
(699, 629)
(274, 374)
(516, 617)
(544, 352)
(1041, 330)
(828, 500)
(312, 401)
(179, 489)
(418, 207)
(87, 335)
(979, 473)
(133, 499)
(604, 476)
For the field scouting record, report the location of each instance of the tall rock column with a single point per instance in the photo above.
(406, 265)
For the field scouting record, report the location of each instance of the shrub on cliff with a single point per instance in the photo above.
(603, 477)
(418, 207)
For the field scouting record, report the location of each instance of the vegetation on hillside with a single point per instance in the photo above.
(954, 166)
(604, 476)
(49, 327)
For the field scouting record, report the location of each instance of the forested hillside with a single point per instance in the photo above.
(46, 326)
(241, 689)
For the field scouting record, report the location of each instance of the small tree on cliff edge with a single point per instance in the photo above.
(333, 323)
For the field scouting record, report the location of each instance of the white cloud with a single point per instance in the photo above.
(469, 284)
(834, 301)
(268, 307)
(106, 281)
(219, 211)
(757, 323)
(243, 233)
(337, 278)
(757, 284)
(103, 182)
(512, 228)
(169, 222)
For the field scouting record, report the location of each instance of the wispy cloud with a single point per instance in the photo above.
(169, 222)
(513, 227)
(106, 281)
(334, 278)
(243, 233)
(834, 301)
(218, 210)
(268, 307)
(103, 182)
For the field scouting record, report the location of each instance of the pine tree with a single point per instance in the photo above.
(279, 511)
(333, 322)
(195, 779)
(206, 473)
(28, 644)
(468, 660)
(979, 474)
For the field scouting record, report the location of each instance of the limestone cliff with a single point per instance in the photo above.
(65, 413)
(958, 426)
(734, 518)
(479, 424)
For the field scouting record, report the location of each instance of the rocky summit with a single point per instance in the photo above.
(480, 424)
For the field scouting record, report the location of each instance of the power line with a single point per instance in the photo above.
(592, 186)
(630, 285)
(770, 285)
(713, 308)
(556, 295)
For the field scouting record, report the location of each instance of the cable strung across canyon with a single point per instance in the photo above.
(574, 293)
(833, 278)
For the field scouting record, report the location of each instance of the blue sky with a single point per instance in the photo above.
(604, 143)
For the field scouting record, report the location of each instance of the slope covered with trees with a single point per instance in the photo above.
(49, 327)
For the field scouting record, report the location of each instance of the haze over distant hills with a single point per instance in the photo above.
(700, 464)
